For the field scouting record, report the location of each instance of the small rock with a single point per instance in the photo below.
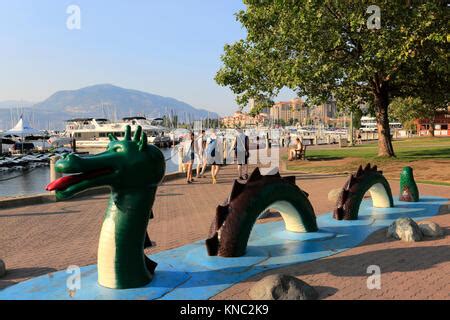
(333, 195)
(431, 229)
(2, 268)
(405, 229)
(282, 287)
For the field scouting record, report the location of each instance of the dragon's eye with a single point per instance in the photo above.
(118, 148)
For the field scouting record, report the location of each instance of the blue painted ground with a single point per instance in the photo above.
(188, 272)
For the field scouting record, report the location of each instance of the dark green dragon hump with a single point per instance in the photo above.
(234, 220)
(408, 187)
(367, 179)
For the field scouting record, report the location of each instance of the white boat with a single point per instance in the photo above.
(369, 124)
(93, 132)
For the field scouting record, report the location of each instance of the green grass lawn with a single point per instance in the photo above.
(405, 150)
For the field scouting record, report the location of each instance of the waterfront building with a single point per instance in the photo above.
(243, 119)
(297, 112)
(293, 111)
(441, 124)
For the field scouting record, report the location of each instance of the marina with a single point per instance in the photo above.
(29, 175)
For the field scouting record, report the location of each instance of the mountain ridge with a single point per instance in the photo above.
(106, 100)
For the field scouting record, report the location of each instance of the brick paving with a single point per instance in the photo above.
(39, 239)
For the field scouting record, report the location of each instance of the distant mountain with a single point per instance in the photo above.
(107, 101)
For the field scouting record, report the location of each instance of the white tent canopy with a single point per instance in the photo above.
(22, 128)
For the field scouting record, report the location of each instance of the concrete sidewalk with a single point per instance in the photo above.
(43, 238)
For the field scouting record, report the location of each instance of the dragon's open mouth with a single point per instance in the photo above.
(65, 182)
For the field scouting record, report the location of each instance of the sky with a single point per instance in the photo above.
(166, 47)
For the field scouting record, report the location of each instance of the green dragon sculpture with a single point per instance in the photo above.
(133, 169)
(408, 187)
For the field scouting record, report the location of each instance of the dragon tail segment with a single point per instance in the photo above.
(408, 187)
(368, 179)
(234, 220)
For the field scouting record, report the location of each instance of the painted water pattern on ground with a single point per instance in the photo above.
(187, 272)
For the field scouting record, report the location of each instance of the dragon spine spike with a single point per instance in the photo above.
(367, 168)
(359, 171)
(112, 137)
(349, 182)
(143, 142)
(290, 179)
(137, 134)
(255, 176)
(236, 190)
(375, 168)
(127, 133)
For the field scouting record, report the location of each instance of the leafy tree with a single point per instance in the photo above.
(324, 48)
(357, 115)
(408, 109)
(261, 102)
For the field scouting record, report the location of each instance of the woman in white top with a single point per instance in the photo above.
(241, 153)
(214, 154)
(188, 156)
(201, 154)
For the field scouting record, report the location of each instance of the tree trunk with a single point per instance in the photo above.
(432, 124)
(381, 102)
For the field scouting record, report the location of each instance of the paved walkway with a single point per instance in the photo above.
(39, 239)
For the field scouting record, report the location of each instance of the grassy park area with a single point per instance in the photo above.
(429, 157)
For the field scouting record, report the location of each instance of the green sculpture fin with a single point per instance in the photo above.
(143, 142)
(112, 137)
(127, 133)
(137, 134)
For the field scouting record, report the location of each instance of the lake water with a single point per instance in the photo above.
(35, 180)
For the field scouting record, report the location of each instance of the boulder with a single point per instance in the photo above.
(405, 229)
(2, 268)
(333, 195)
(431, 229)
(282, 287)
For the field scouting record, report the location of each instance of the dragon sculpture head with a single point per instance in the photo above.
(128, 163)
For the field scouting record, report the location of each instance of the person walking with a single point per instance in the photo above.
(201, 154)
(189, 156)
(214, 154)
(288, 139)
(241, 153)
